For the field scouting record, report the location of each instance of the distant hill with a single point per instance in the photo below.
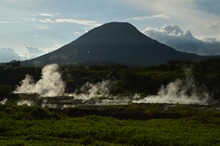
(113, 43)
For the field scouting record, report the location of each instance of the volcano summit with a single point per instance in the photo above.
(113, 43)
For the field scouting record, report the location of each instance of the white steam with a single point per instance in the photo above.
(3, 101)
(98, 94)
(95, 90)
(89, 91)
(25, 102)
(182, 92)
(50, 84)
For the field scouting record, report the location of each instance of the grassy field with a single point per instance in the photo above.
(38, 126)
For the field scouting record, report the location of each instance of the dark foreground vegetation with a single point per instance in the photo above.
(183, 125)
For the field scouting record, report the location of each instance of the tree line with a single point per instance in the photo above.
(123, 79)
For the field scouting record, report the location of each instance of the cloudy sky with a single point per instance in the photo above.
(29, 28)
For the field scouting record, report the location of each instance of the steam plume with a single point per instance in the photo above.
(182, 92)
(50, 84)
(99, 94)
(89, 91)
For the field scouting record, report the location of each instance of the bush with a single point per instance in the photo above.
(38, 113)
(4, 92)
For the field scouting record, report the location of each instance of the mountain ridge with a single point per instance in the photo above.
(113, 43)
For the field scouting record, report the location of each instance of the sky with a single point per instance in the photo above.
(29, 28)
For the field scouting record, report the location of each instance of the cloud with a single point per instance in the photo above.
(174, 36)
(215, 25)
(10, 22)
(52, 47)
(33, 52)
(158, 16)
(76, 21)
(189, 14)
(47, 20)
(46, 15)
(67, 20)
(8, 54)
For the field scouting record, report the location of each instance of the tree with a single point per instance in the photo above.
(14, 63)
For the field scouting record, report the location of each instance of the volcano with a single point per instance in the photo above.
(113, 43)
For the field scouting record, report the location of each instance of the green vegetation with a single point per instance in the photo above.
(39, 126)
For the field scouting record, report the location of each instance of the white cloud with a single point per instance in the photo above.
(186, 13)
(67, 20)
(8, 54)
(33, 52)
(215, 25)
(52, 47)
(46, 14)
(47, 20)
(76, 21)
(158, 16)
(174, 36)
(33, 19)
(10, 22)
(78, 33)
(27, 52)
